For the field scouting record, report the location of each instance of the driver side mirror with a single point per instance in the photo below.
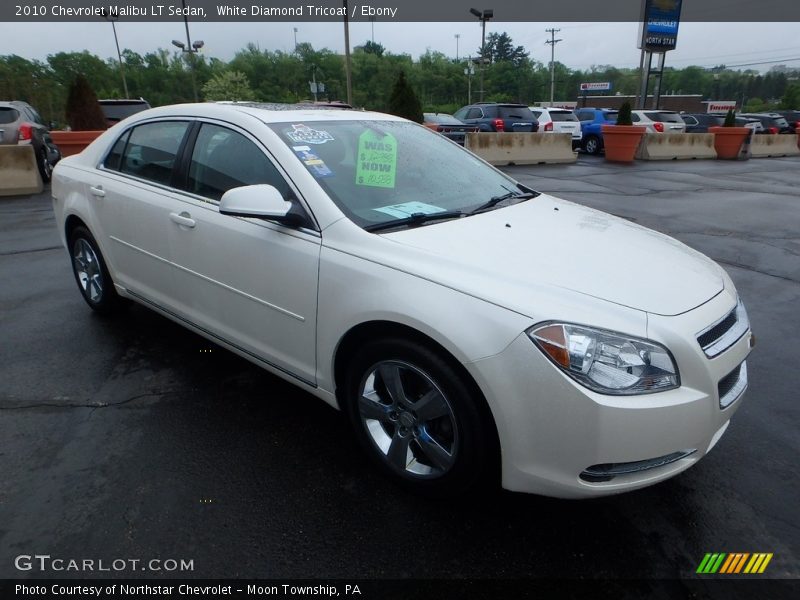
(258, 202)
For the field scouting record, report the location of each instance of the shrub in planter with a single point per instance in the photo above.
(728, 138)
(622, 140)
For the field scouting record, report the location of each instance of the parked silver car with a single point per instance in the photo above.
(659, 121)
(21, 124)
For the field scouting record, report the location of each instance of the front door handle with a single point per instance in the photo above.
(97, 190)
(183, 219)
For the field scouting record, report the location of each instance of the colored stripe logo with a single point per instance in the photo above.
(734, 563)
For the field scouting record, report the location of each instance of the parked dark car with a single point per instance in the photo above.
(21, 124)
(700, 122)
(448, 126)
(116, 110)
(592, 121)
(792, 117)
(493, 116)
(772, 122)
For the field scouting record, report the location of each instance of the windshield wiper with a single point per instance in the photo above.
(414, 219)
(494, 201)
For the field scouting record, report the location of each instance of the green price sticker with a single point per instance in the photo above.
(377, 160)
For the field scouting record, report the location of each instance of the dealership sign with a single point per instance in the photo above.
(660, 25)
(602, 86)
(721, 106)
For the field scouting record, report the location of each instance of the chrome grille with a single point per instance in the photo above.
(719, 336)
(732, 386)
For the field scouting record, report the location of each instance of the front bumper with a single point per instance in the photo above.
(554, 432)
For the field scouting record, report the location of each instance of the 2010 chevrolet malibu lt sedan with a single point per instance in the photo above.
(472, 329)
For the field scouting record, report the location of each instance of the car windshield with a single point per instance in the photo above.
(116, 111)
(665, 117)
(8, 115)
(380, 171)
(442, 119)
(515, 112)
(558, 115)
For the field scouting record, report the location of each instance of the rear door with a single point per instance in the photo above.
(516, 119)
(134, 198)
(565, 121)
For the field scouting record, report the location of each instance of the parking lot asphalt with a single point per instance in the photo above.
(131, 437)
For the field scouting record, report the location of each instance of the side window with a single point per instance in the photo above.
(151, 150)
(474, 113)
(635, 118)
(586, 115)
(114, 159)
(224, 159)
(460, 114)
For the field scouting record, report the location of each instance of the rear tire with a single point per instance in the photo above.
(45, 168)
(91, 273)
(417, 419)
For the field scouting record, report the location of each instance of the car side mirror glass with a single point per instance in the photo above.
(257, 201)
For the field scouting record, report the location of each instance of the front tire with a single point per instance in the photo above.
(91, 273)
(417, 419)
(592, 145)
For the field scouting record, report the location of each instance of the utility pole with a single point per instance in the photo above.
(347, 68)
(458, 35)
(552, 43)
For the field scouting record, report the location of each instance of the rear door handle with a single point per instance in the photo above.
(98, 191)
(184, 219)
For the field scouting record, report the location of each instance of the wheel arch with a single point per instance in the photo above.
(381, 329)
(71, 222)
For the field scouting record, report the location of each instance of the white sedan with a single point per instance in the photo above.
(473, 330)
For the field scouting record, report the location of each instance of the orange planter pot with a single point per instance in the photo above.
(73, 142)
(728, 141)
(621, 141)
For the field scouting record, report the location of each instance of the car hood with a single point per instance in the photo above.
(506, 256)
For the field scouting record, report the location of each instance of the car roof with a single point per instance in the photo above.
(266, 113)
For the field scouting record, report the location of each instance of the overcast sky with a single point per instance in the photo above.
(583, 45)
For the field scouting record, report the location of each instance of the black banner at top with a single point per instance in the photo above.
(382, 10)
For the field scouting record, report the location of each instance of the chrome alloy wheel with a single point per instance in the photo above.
(408, 418)
(87, 269)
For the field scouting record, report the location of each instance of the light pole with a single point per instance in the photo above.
(347, 69)
(484, 16)
(295, 39)
(458, 35)
(191, 47)
(112, 17)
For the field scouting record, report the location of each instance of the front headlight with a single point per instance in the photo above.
(607, 362)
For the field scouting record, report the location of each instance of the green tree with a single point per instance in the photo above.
(500, 47)
(228, 85)
(791, 98)
(83, 111)
(404, 102)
